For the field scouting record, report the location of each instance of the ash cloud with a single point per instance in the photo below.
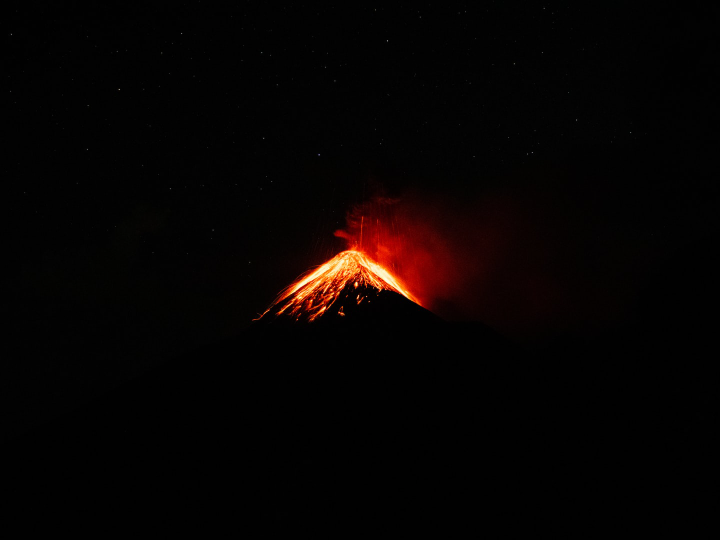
(541, 255)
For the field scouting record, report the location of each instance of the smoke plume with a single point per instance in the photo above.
(530, 263)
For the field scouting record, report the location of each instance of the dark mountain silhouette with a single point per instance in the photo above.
(387, 415)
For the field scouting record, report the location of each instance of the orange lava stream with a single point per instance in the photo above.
(312, 294)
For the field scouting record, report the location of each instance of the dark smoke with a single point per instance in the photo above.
(544, 254)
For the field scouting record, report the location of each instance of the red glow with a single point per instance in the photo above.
(313, 294)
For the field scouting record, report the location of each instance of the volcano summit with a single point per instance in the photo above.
(345, 286)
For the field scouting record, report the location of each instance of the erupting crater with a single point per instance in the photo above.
(340, 285)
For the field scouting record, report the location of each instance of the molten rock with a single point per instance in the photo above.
(337, 289)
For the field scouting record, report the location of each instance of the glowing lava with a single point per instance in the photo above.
(350, 273)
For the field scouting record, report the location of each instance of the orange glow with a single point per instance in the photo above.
(313, 294)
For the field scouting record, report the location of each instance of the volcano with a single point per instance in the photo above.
(350, 286)
(316, 418)
(339, 421)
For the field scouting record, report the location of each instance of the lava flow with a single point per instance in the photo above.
(349, 274)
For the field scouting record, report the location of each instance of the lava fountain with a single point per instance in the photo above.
(350, 275)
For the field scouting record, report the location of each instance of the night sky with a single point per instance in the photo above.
(168, 171)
